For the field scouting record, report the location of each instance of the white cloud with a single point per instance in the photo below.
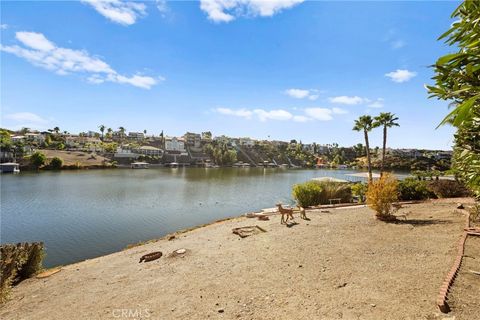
(377, 103)
(301, 118)
(339, 111)
(302, 93)
(122, 12)
(35, 41)
(297, 93)
(27, 117)
(278, 114)
(41, 52)
(228, 10)
(347, 100)
(243, 113)
(401, 75)
(322, 114)
(3, 26)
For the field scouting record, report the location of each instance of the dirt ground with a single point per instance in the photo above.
(71, 158)
(342, 264)
(464, 298)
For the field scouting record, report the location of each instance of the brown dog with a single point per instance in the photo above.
(284, 212)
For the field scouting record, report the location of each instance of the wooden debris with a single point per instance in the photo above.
(48, 273)
(151, 256)
(475, 272)
(247, 231)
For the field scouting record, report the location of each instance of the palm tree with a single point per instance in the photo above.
(109, 133)
(365, 124)
(102, 129)
(122, 132)
(56, 130)
(385, 120)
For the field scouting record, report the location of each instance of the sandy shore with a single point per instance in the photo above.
(342, 264)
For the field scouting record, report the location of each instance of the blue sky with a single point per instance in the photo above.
(270, 70)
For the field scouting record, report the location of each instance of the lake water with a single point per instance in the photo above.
(84, 214)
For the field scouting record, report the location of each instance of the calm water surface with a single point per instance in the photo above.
(84, 214)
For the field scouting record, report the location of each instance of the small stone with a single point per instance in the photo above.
(221, 311)
(373, 305)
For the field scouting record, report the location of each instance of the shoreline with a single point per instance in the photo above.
(322, 266)
(266, 212)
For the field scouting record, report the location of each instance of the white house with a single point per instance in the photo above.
(175, 144)
(136, 135)
(35, 137)
(149, 151)
(247, 142)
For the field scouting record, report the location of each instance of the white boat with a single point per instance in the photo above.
(9, 167)
(140, 165)
(173, 164)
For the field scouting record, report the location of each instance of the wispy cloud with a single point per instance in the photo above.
(347, 100)
(356, 100)
(122, 12)
(401, 75)
(378, 103)
(309, 114)
(277, 114)
(228, 10)
(41, 52)
(162, 6)
(243, 113)
(322, 114)
(301, 119)
(3, 26)
(302, 93)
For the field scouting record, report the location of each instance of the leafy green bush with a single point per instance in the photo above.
(308, 194)
(56, 163)
(336, 190)
(359, 190)
(413, 189)
(448, 189)
(37, 159)
(313, 193)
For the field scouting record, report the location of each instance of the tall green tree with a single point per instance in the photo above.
(365, 124)
(102, 129)
(457, 79)
(385, 120)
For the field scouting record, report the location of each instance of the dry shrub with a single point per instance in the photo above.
(381, 194)
(448, 189)
(18, 262)
(475, 214)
